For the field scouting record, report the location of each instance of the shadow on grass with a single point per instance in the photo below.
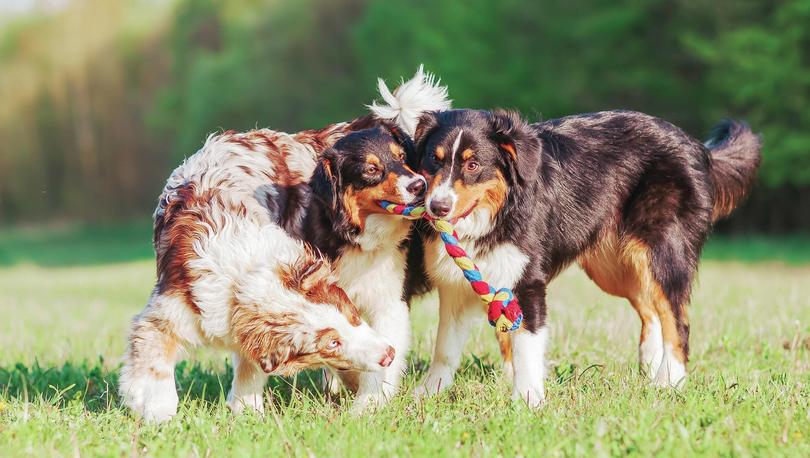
(95, 386)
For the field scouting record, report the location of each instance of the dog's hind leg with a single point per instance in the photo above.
(247, 390)
(147, 382)
(623, 266)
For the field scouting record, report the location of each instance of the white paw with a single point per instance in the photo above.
(159, 405)
(508, 372)
(671, 373)
(533, 396)
(435, 382)
(368, 403)
(331, 383)
(154, 400)
(238, 404)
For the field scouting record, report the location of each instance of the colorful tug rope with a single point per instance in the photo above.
(503, 309)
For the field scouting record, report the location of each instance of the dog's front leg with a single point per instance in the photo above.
(458, 310)
(375, 389)
(247, 390)
(529, 344)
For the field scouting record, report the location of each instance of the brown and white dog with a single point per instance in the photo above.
(233, 271)
(229, 276)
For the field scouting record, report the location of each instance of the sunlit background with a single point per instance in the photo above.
(100, 99)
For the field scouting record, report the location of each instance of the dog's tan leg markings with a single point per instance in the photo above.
(622, 267)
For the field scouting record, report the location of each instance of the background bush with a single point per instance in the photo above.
(102, 98)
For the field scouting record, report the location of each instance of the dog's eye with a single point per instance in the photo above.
(371, 170)
(333, 344)
(472, 166)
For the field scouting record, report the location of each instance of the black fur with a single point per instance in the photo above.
(320, 217)
(572, 180)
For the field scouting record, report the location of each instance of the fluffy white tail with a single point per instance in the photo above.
(406, 104)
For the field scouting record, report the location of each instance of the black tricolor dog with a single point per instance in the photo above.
(628, 196)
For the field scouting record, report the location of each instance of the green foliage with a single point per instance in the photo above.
(91, 126)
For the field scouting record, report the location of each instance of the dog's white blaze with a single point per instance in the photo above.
(651, 349)
(456, 144)
(672, 372)
(445, 190)
(528, 359)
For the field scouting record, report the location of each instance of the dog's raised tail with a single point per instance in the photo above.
(735, 156)
(410, 100)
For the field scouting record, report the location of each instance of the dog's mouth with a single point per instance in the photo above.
(464, 214)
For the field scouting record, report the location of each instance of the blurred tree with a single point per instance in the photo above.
(103, 98)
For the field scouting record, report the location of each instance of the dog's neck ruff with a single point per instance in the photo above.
(503, 310)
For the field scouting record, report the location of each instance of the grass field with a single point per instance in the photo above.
(66, 296)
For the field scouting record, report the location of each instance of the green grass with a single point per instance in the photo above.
(62, 331)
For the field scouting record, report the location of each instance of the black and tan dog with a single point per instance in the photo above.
(629, 197)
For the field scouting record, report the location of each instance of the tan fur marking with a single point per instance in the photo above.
(510, 148)
(361, 203)
(439, 153)
(314, 278)
(505, 345)
(396, 151)
(373, 160)
(622, 268)
(467, 154)
(151, 340)
(490, 194)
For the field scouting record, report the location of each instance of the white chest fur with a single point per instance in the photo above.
(501, 266)
(373, 273)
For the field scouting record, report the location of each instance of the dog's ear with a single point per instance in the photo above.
(427, 124)
(517, 142)
(272, 361)
(307, 272)
(326, 180)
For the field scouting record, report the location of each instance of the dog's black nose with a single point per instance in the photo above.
(440, 207)
(417, 187)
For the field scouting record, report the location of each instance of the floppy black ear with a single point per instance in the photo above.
(428, 122)
(518, 143)
(326, 179)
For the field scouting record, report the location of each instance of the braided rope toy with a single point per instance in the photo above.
(503, 310)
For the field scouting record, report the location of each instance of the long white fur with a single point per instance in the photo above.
(237, 260)
(420, 94)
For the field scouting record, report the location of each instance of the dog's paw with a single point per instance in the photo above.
(238, 404)
(153, 400)
(508, 372)
(368, 403)
(533, 396)
(435, 382)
